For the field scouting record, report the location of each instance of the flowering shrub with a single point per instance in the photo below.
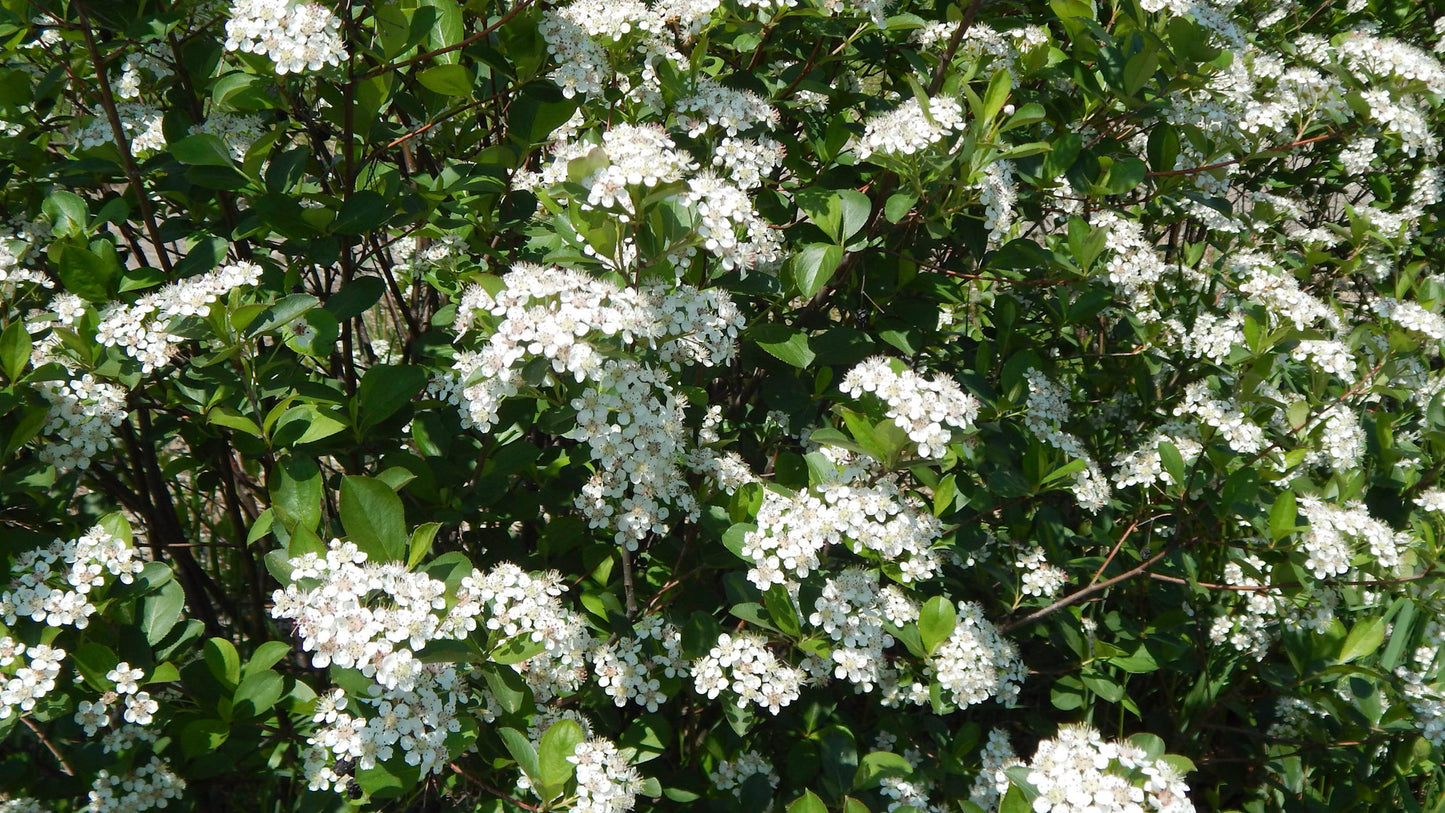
(806, 405)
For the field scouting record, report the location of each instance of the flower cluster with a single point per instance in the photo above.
(298, 37)
(30, 682)
(910, 128)
(142, 126)
(151, 785)
(793, 531)
(1039, 577)
(142, 329)
(977, 662)
(519, 603)
(743, 665)
(628, 413)
(1234, 427)
(713, 105)
(80, 424)
(53, 584)
(1046, 411)
(1421, 686)
(1333, 528)
(1250, 623)
(339, 622)
(625, 669)
(920, 406)
(238, 132)
(733, 774)
(992, 783)
(1144, 466)
(606, 783)
(852, 610)
(1079, 771)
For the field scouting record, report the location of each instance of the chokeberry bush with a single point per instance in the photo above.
(723, 405)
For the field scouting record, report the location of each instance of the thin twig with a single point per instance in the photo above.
(64, 763)
(122, 141)
(953, 43)
(489, 789)
(1076, 597)
(462, 43)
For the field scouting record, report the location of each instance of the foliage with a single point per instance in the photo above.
(817, 405)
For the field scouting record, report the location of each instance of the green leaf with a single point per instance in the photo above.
(898, 206)
(1030, 113)
(1124, 175)
(266, 656)
(1364, 638)
(14, 350)
(537, 111)
(161, 610)
(93, 661)
(68, 212)
(1066, 149)
(1140, 69)
(223, 661)
(786, 343)
(1103, 686)
(1072, 467)
(84, 272)
(517, 649)
(203, 736)
(507, 686)
(1282, 515)
(840, 213)
(446, 29)
(257, 693)
(936, 622)
(386, 389)
(448, 80)
(874, 767)
(420, 544)
(1173, 462)
(997, 94)
(808, 803)
(363, 212)
(231, 419)
(943, 495)
(780, 609)
(202, 150)
(1399, 633)
(1015, 802)
(814, 266)
(306, 423)
(558, 743)
(296, 492)
(356, 297)
(373, 518)
(286, 310)
(522, 751)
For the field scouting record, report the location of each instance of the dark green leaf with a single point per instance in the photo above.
(936, 622)
(374, 518)
(386, 389)
(14, 350)
(558, 743)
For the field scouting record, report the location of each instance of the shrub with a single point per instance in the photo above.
(823, 405)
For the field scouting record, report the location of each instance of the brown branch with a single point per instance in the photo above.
(1080, 595)
(462, 43)
(1281, 148)
(489, 789)
(953, 43)
(122, 143)
(44, 740)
